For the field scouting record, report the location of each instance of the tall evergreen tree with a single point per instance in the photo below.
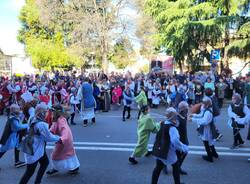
(189, 29)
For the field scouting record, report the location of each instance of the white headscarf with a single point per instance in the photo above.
(27, 97)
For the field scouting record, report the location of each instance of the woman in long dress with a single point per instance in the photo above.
(156, 94)
(105, 95)
(88, 103)
(63, 157)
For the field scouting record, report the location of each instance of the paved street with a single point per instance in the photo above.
(103, 150)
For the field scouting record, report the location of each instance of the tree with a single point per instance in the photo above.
(48, 54)
(43, 43)
(122, 53)
(240, 45)
(189, 28)
(145, 30)
(87, 26)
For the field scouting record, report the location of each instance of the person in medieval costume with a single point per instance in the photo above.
(221, 86)
(116, 94)
(18, 86)
(41, 135)
(7, 90)
(44, 96)
(105, 96)
(206, 128)
(64, 95)
(57, 92)
(239, 116)
(52, 93)
(11, 89)
(85, 94)
(156, 94)
(63, 157)
(27, 104)
(150, 88)
(146, 126)
(247, 101)
(31, 85)
(73, 103)
(97, 96)
(167, 142)
(141, 100)
(128, 97)
(182, 130)
(247, 91)
(10, 138)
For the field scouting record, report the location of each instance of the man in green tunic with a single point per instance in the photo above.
(146, 125)
(141, 100)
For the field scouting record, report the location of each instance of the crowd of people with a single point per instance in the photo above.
(40, 109)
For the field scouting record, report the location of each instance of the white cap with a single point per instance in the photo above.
(27, 97)
(171, 113)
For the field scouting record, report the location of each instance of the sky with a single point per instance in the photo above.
(9, 25)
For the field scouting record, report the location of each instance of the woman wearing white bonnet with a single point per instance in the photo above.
(28, 106)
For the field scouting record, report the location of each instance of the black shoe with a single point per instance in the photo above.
(51, 172)
(85, 123)
(93, 120)
(234, 146)
(209, 159)
(123, 119)
(215, 155)
(73, 123)
(242, 144)
(75, 171)
(182, 172)
(133, 161)
(148, 153)
(219, 137)
(19, 164)
(128, 117)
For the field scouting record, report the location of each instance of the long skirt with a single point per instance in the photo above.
(105, 103)
(68, 164)
(87, 114)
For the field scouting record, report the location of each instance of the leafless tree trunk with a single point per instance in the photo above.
(92, 25)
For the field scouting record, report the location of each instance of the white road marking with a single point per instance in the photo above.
(155, 115)
(150, 145)
(131, 149)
